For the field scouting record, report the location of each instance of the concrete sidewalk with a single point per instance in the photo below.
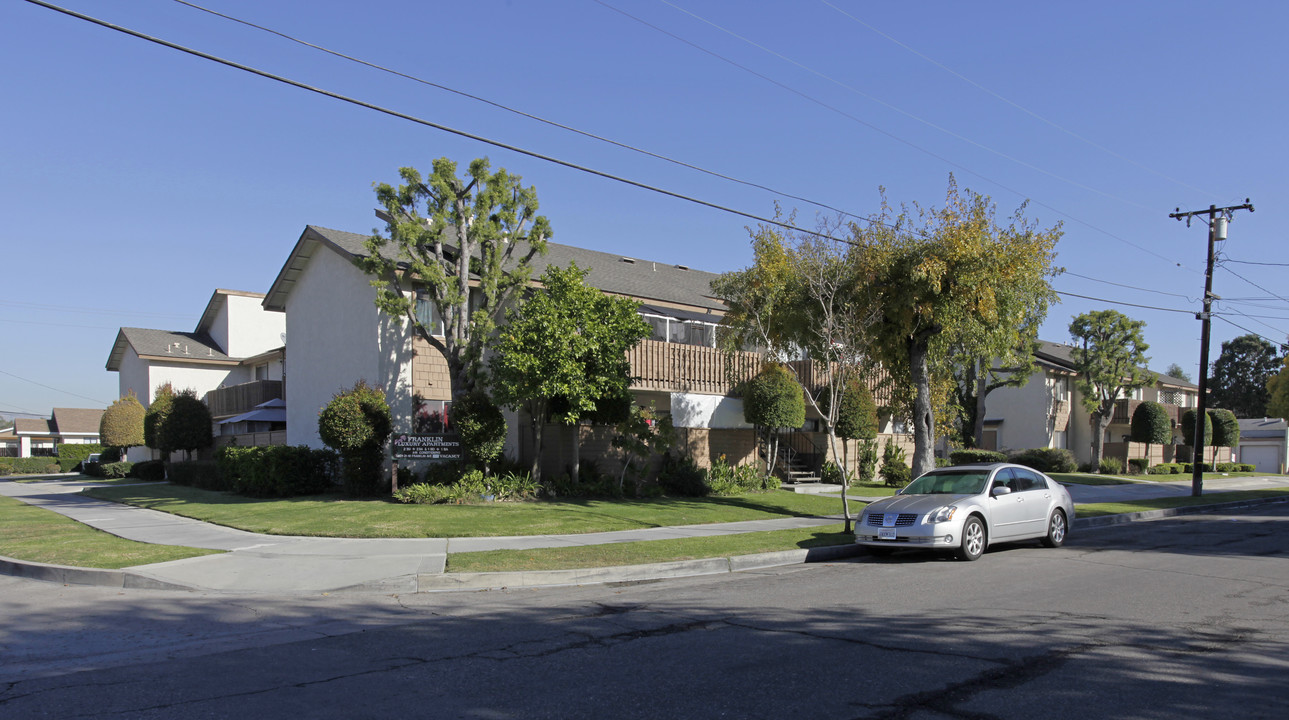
(276, 564)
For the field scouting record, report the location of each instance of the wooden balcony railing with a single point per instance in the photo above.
(676, 367)
(237, 399)
(1123, 410)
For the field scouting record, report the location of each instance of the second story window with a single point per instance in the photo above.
(428, 316)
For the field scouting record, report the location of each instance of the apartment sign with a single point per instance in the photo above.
(427, 446)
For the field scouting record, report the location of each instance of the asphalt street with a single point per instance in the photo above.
(1179, 617)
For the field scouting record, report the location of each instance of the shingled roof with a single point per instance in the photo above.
(635, 277)
(166, 345)
(1061, 356)
(76, 421)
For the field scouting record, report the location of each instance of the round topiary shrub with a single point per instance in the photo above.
(356, 424)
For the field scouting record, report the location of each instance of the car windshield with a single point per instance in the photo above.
(962, 482)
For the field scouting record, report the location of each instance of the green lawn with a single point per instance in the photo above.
(38, 535)
(1088, 479)
(650, 551)
(1098, 509)
(336, 516)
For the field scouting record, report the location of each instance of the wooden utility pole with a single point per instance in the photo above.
(1217, 220)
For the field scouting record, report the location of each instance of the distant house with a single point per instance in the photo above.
(339, 337)
(40, 437)
(1264, 443)
(1048, 412)
(233, 359)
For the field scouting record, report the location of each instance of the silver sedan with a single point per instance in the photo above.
(967, 508)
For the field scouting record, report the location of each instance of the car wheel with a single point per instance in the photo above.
(973, 539)
(1056, 530)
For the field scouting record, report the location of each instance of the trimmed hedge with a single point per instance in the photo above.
(276, 470)
(1046, 460)
(964, 457)
(1137, 466)
(202, 474)
(29, 466)
(152, 470)
(69, 456)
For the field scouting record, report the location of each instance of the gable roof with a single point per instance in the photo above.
(1061, 356)
(31, 426)
(612, 273)
(167, 345)
(76, 421)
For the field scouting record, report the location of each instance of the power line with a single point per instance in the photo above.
(1018, 106)
(521, 113)
(50, 387)
(420, 121)
(1130, 287)
(1278, 297)
(902, 111)
(1128, 304)
(1250, 262)
(890, 135)
(87, 311)
(1277, 343)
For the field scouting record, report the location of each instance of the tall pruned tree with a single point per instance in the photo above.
(1109, 355)
(122, 423)
(567, 340)
(1151, 425)
(808, 301)
(1278, 392)
(1239, 379)
(1188, 428)
(773, 400)
(189, 426)
(451, 238)
(1226, 428)
(953, 285)
(154, 421)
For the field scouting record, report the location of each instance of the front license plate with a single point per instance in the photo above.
(885, 533)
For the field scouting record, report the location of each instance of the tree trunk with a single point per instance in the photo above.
(978, 422)
(538, 412)
(845, 478)
(577, 451)
(1102, 418)
(923, 414)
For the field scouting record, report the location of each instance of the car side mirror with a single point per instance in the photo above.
(1000, 490)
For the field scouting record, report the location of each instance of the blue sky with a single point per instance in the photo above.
(136, 179)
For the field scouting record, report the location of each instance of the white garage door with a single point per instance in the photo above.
(1263, 456)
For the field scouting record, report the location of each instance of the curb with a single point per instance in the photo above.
(69, 575)
(448, 582)
(1123, 518)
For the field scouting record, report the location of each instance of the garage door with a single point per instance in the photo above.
(1264, 457)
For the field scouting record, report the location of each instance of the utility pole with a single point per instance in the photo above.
(1217, 221)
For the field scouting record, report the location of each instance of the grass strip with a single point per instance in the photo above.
(1119, 508)
(38, 535)
(338, 516)
(1088, 479)
(648, 551)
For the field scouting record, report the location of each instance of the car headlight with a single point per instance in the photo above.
(944, 514)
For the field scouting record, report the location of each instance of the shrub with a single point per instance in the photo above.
(203, 474)
(31, 466)
(972, 455)
(895, 471)
(151, 470)
(681, 476)
(1047, 460)
(276, 470)
(356, 423)
(423, 494)
(189, 426)
(69, 456)
(1188, 428)
(481, 425)
(1248, 467)
(1160, 469)
(116, 470)
(1137, 466)
(1235, 467)
(1110, 466)
(830, 474)
(866, 461)
(155, 419)
(1226, 429)
(122, 423)
(724, 479)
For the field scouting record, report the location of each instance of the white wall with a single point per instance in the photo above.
(692, 410)
(337, 337)
(249, 328)
(133, 377)
(1025, 412)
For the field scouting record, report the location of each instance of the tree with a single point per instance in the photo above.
(1109, 355)
(154, 421)
(356, 424)
(122, 423)
(189, 425)
(1150, 425)
(772, 400)
(1177, 371)
(807, 300)
(1226, 428)
(1240, 375)
(482, 230)
(482, 427)
(974, 380)
(1188, 428)
(1278, 390)
(566, 340)
(960, 288)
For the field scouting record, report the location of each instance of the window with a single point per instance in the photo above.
(1060, 387)
(431, 415)
(1059, 440)
(427, 315)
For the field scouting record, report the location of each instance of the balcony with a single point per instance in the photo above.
(1123, 410)
(676, 367)
(237, 399)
